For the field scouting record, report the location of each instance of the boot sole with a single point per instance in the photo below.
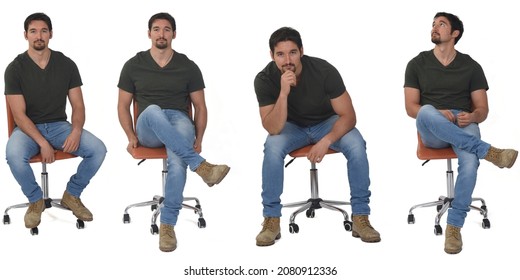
(453, 252)
(372, 240)
(261, 244)
(33, 225)
(83, 219)
(167, 249)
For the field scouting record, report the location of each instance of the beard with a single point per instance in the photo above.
(289, 67)
(39, 45)
(436, 39)
(161, 44)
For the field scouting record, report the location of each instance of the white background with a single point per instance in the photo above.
(370, 42)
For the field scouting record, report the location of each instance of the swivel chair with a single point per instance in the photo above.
(314, 202)
(49, 202)
(143, 153)
(444, 202)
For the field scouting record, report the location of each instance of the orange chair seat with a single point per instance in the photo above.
(303, 151)
(142, 152)
(59, 155)
(425, 153)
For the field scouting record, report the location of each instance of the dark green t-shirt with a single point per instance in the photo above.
(45, 90)
(445, 87)
(168, 87)
(308, 102)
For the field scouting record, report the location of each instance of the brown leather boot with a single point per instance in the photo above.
(269, 233)
(34, 214)
(167, 239)
(76, 206)
(212, 174)
(453, 243)
(501, 157)
(361, 227)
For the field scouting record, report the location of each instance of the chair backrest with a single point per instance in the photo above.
(425, 153)
(59, 155)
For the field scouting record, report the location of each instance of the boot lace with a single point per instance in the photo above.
(76, 202)
(167, 230)
(452, 232)
(365, 223)
(269, 224)
(204, 168)
(34, 207)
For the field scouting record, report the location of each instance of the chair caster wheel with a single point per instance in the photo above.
(293, 228)
(126, 218)
(347, 225)
(154, 229)
(7, 220)
(310, 213)
(437, 230)
(485, 224)
(411, 219)
(80, 224)
(34, 231)
(201, 223)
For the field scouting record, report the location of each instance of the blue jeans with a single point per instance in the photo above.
(174, 130)
(292, 137)
(20, 148)
(438, 132)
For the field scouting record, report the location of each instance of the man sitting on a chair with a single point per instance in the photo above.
(445, 91)
(37, 85)
(163, 82)
(303, 101)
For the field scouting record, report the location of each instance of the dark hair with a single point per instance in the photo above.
(455, 22)
(37, 16)
(165, 16)
(285, 34)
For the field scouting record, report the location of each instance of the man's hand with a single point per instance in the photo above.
(132, 144)
(47, 152)
(197, 146)
(287, 81)
(464, 119)
(71, 144)
(318, 152)
(449, 115)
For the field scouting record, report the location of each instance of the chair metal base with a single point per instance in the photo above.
(49, 202)
(444, 203)
(314, 203)
(156, 204)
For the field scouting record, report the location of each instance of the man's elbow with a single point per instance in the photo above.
(274, 131)
(411, 113)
